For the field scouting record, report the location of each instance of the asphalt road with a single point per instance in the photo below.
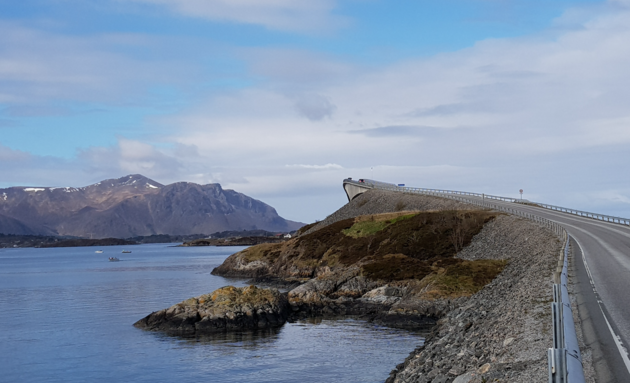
(602, 270)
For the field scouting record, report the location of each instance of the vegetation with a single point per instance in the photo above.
(390, 247)
(374, 224)
(462, 278)
(267, 251)
(303, 229)
(230, 295)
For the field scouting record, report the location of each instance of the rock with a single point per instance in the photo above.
(385, 295)
(356, 287)
(313, 291)
(465, 378)
(483, 369)
(507, 342)
(225, 309)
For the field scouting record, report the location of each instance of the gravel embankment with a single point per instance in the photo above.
(500, 334)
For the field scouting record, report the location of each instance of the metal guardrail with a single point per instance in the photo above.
(441, 192)
(564, 359)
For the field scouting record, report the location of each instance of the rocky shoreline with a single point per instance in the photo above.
(497, 333)
(239, 241)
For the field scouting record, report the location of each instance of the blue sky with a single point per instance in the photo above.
(282, 99)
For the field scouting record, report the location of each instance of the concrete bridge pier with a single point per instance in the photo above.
(354, 188)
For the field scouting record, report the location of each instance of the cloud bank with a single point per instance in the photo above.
(547, 113)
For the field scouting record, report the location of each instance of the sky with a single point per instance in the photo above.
(283, 99)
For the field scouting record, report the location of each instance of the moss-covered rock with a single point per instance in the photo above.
(225, 309)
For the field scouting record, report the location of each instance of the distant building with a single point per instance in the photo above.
(287, 236)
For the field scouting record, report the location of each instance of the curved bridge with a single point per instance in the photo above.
(601, 263)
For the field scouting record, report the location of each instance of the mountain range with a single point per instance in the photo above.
(134, 205)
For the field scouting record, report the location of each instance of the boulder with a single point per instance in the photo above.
(225, 309)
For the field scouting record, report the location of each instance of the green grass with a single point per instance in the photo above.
(463, 278)
(367, 228)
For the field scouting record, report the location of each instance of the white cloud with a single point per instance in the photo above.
(130, 157)
(38, 67)
(615, 196)
(318, 167)
(18, 168)
(286, 15)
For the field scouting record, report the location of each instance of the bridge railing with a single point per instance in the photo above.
(442, 192)
(564, 359)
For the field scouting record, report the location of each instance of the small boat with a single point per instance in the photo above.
(113, 259)
(126, 251)
(99, 251)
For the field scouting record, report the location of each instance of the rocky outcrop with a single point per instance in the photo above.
(389, 247)
(239, 241)
(393, 305)
(226, 309)
(396, 268)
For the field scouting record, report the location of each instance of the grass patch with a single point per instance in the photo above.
(463, 278)
(231, 295)
(264, 251)
(364, 228)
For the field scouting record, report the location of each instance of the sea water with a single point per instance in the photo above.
(66, 315)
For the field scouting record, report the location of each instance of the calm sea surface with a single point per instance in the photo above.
(66, 315)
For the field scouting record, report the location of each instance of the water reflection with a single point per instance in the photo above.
(246, 338)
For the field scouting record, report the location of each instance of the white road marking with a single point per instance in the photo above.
(622, 350)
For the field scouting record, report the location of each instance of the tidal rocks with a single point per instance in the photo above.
(225, 309)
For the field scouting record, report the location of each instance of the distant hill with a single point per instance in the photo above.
(134, 206)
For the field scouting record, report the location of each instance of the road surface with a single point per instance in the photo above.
(602, 270)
